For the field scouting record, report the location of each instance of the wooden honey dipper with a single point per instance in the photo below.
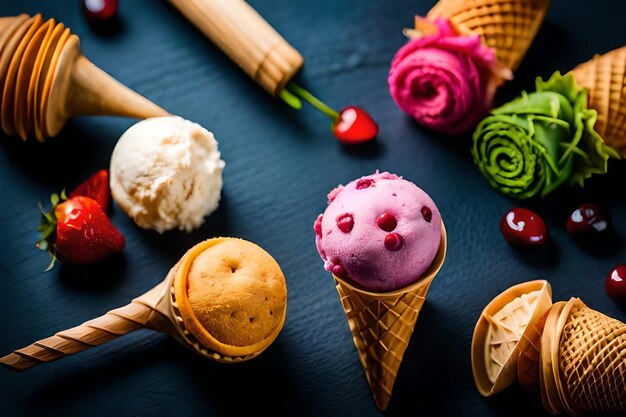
(46, 80)
(225, 299)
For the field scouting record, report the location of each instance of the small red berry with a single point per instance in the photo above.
(394, 242)
(615, 283)
(354, 125)
(521, 226)
(345, 222)
(364, 183)
(387, 222)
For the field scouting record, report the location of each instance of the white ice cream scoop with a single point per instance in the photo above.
(166, 173)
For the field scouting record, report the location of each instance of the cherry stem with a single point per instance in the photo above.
(312, 100)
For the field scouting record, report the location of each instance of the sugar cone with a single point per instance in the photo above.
(588, 360)
(507, 26)
(505, 333)
(382, 325)
(604, 77)
(158, 309)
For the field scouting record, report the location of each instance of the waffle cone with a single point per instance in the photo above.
(604, 77)
(589, 360)
(504, 344)
(507, 26)
(548, 367)
(382, 325)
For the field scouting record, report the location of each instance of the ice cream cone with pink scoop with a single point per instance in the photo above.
(447, 74)
(382, 239)
(225, 299)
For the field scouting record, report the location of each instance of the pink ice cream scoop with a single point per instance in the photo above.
(444, 80)
(381, 231)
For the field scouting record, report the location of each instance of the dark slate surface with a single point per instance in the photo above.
(280, 165)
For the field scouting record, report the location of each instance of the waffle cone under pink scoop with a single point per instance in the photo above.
(382, 239)
(234, 325)
(382, 325)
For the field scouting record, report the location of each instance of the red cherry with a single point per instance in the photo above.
(586, 220)
(345, 222)
(386, 222)
(394, 242)
(354, 126)
(521, 226)
(100, 11)
(615, 283)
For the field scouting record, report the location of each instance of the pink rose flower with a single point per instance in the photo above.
(444, 80)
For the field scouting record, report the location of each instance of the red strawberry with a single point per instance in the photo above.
(97, 188)
(77, 231)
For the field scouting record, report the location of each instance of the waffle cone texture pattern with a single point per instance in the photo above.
(604, 77)
(506, 26)
(575, 356)
(381, 326)
(591, 357)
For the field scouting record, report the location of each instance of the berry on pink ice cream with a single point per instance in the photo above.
(380, 232)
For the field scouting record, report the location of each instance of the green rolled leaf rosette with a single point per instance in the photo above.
(541, 140)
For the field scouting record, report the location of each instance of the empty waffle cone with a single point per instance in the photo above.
(507, 26)
(588, 357)
(225, 299)
(506, 331)
(46, 80)
(382, 325)
(604, 77)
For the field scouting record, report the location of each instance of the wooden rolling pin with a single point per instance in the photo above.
(250, 41)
